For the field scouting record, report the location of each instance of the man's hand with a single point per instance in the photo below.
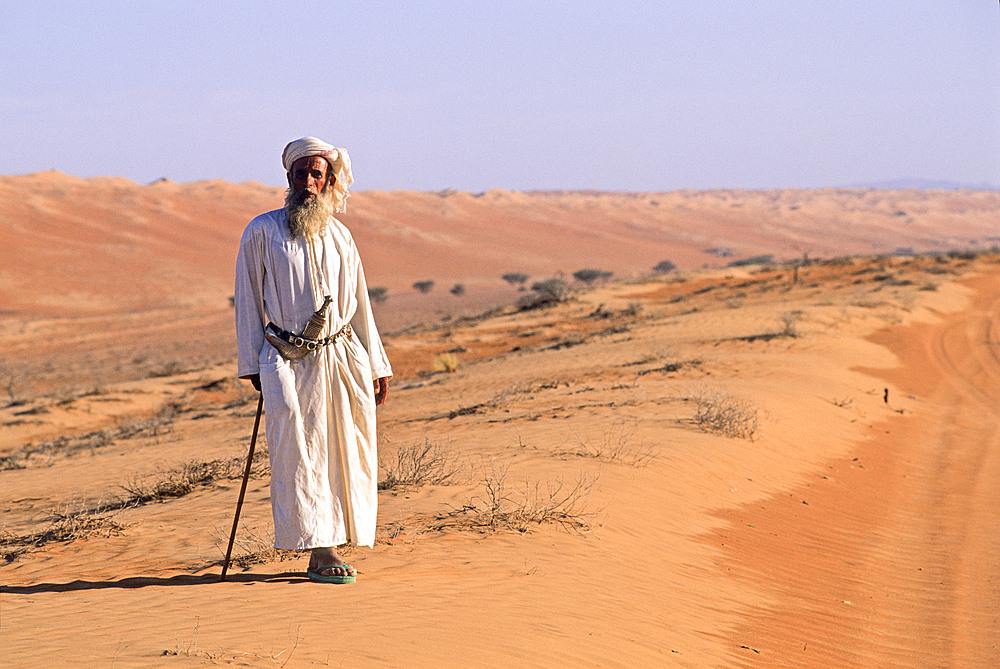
(254, 381)
(381, 390)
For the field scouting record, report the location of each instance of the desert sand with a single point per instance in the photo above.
(755, 466)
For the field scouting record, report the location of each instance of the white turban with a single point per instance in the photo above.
(340, 165)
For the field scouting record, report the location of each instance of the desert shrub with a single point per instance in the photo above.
(170, 368)
(614, 444)
(764, 259)
(589, 276)
(664, 266)
(188, 477)
(966, 254)
(419, 464)
(255, 545)
(544, 293)
(424, 286)
(791, 320)
(720, 412)
(457, 290)
(518, 508)
(446, 362)
(66, 524)
(378, 294)
(515, 278)
(719, 252)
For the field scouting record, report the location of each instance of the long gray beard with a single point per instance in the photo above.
(307, 217)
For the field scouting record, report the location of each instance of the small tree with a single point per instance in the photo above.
(378, 293)
(457, 290)
(515, 278)
(424, 286)
(664, 266)
(546, 293)
(553, 288)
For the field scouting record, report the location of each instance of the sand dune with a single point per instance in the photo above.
(93, 246)
(841, 514)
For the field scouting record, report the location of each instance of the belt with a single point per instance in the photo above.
(293, 346)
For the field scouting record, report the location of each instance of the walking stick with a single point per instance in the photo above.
(243, 488)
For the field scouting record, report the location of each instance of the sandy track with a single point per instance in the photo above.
(891, 557)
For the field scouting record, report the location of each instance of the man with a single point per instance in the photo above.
(321, 381)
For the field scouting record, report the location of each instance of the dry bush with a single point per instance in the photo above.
(720, 412)
(419, 464)
(515, 278)
(504, 507)
(378, 294)
(186, 478)
(791, 320)
(446, 362)
(169, 368)
(424, 286)
(71, 522)
(544, 294)
(66, 523)
(255, 545)
(589, 276)
(12, 381)
(615, 444)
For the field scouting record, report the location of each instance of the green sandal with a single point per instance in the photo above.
(318, 576)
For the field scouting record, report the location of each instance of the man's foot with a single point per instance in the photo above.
(331, 562)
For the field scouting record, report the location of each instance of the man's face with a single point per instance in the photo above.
(309, 175)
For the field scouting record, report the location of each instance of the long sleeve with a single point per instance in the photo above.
(249, 301)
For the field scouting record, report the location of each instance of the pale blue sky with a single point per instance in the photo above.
(609, 95)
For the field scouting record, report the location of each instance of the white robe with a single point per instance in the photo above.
(320, 410)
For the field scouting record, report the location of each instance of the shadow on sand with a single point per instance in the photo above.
(153, 582)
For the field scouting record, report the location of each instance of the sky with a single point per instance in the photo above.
(549, 94)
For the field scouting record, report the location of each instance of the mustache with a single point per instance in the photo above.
(303, 194)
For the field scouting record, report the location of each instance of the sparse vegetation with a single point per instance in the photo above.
(791, 320)
(457, 290)
(254, 546)
(66, 524)
(69, 523)
(186, 478)
(12, 382)
(378, 294)
(615, 444)
(170, 368)
(515, 278)
(589, 276)
(720, 412)
(544, 293)
(424, 286)
(44, 452)
(504, 507)
(419, 464)
(664, 266)
(446, 362)
(764, 259)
